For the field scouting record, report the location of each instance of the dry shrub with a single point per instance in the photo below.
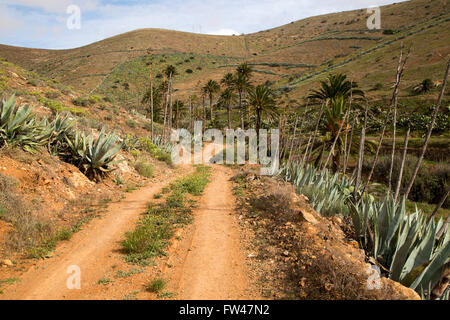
(328, 279)
(28, 229)
(276, 200)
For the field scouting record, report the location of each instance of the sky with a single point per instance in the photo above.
(58, 24)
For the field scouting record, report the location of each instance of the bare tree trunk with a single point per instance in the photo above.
(170, 104)
(307, 147)
(430, 130)
(347, 153)
(151, 104)
(346, 141)
(346, 126)
(441, 202)
(211, 107)
(336, 139)
(282, 126)
(299, 144)
(191, 115)
(204, 108)
(241, 111)
(400, 69)
(293, 139)
(394, 99)
(360, 156)
(315, 131)
(165, 115)
(402, 166)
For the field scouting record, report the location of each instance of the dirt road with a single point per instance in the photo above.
(206, 260)
(91, 249)
(211, 263)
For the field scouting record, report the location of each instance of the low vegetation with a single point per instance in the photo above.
(405, 244)
(144, 168)
(157, 285)
(20, 127)
(154, 231)
(430, 184)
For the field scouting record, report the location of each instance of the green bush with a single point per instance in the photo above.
(33, 82)
(59, 107)
(131, 123)
(420, 122)
(94, 99)
(157, 285)
(155, 152)
(195, 183)
(148, 240)
(52, 94)
(144, 168)
(429, 186)
(81, 102)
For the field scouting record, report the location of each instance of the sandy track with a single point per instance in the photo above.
(205, 262)
(211, 264)
(90, 249)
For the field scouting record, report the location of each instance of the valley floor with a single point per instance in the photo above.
(251, 238)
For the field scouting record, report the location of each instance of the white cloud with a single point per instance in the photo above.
(54, 6)
(224, 32)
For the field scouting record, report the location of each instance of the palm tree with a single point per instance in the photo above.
(334, 86)
(228, 80)
(242, 85)
(227, 98)
(179, 110)
(211, 88)
(335, 127)
(262, 101)
(204, 93)
(334, 115)
(192, 102)
(245, 70)
(170, 72)
(164, 88)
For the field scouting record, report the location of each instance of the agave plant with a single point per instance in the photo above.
(59, 130)
(328, 193)
(18, 126)
(130, 142)
(405, 244)
(94, 156)
(165, 146)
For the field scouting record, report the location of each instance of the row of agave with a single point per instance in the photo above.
(20, 127)
(131, 142)
(327, 192)
(406, 245)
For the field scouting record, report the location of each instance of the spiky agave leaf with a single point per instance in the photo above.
(18, 126)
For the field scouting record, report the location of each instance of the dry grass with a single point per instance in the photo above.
(276, 200)
(28, 229)
(295, 262)
(294, 43)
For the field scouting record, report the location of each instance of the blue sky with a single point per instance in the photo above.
(43, 23)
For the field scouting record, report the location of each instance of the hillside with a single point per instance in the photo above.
(293, 55)
(356, 206)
